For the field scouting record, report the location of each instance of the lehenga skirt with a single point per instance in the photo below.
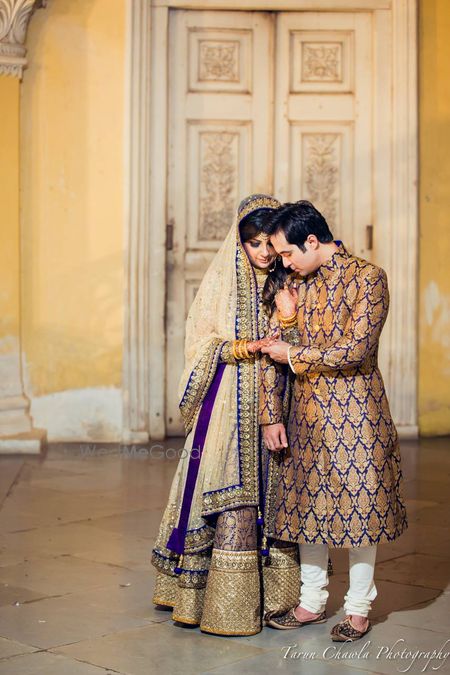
(228, 589)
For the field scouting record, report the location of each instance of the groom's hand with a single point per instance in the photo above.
(256, 345)
(278, 351)
(275, 437)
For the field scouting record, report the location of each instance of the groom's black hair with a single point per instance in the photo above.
(298, 221)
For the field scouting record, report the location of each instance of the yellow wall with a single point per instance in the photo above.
(434, 209)
(72, 195)
(9, 220)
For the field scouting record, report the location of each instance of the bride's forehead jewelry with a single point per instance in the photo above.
(262, 237)
(257, 202)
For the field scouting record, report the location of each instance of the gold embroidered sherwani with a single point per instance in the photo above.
(341, 480)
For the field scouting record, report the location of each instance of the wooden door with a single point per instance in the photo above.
(244, 118)
(323, 113)
(220, 150)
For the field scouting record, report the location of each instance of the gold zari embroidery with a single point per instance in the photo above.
(341, 480)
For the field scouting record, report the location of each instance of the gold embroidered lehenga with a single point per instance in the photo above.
(214, 541)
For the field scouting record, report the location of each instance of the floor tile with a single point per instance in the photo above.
(161, 649)
(64, 574)
(10, 594)
(434, 614)
(63, 620)
(416, 569)
(44, 663)
(143, 524)
(292, 658)
(77, 526)
(81, 539)
(10, 648)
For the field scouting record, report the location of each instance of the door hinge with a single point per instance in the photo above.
(369, 237)
(169, 236)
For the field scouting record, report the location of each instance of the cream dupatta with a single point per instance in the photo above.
(225, 308)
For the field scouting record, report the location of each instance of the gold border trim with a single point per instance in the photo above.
(158, 601)
(207, 629)
(199, 382)
(191, 622)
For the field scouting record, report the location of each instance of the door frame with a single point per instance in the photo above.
(146, 129)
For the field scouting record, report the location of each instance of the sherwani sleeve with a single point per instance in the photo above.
(226, 353)
(291, 335)
(272, 384)
(361, 332)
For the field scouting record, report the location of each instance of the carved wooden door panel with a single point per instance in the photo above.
(323, 113)
(220, 150)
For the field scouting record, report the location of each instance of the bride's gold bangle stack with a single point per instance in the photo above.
(240, 349)
(288, 321)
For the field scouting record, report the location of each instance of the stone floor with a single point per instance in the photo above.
(76, 529)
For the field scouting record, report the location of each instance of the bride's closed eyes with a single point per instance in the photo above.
(255, 243)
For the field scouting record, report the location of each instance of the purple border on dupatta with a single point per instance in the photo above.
(177, 538)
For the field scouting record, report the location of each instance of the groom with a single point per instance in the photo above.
(340, 476)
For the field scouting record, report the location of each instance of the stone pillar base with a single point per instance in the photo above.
(26, 443)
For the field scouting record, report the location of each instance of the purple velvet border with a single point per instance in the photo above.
(177, 538)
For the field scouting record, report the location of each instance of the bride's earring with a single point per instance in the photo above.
(272, 269)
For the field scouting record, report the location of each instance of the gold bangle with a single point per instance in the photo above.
(287, 319)
(237, 349)
(241, 349)
(289, 323)
(245, 349)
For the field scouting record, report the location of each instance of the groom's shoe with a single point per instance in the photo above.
(344, 631)
(288, 620)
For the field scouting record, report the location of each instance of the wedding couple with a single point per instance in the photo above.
(290, 444)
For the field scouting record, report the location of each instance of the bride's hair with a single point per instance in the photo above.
(254, 223)
(250, 226)
(275, 282)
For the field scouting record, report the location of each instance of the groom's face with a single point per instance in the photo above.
(302, 262)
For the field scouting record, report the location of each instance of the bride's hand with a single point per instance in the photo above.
(256, 345)
(286, 301)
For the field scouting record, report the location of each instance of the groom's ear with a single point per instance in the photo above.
(313, 242)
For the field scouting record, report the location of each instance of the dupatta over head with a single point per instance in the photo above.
(223, 309)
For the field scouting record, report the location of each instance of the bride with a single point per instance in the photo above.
(214, 542)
